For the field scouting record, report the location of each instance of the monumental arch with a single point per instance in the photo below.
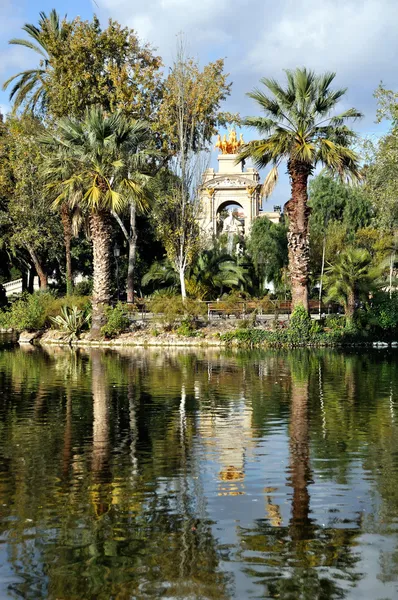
(231, 196)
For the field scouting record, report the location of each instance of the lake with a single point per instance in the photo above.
(164, 473)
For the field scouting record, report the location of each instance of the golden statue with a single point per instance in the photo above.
(210, 191)
(230, 146)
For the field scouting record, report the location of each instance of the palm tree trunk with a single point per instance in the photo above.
(298, 212)
(67, 227)
(132, 253)
(350, 307)
(100, 229)
(39, 269)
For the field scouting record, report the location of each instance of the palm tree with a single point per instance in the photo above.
(215, 270)
(299, 128)
(89, 164)
(351, 278)
(29, 86)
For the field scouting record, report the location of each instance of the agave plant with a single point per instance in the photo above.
(71, 320)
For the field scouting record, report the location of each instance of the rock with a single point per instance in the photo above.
(28, 337)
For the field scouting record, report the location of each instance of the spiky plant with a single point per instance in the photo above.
(300, 127)
(71, 321)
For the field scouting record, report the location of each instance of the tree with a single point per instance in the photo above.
(199, 93)
(351, 278)
(334, 201)
(214, 271)
(27, 224)
(190, 113)
(299, 127)
(267, 246)
(137, 159)
(30, 87)
(108, 67)
(88, 163)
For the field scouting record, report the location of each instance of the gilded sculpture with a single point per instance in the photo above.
(230, 146)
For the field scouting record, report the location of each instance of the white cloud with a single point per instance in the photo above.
(355, 38)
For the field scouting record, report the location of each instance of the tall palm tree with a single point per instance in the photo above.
(29, 86)
(89, 164)
(351, 278)
(299, 127)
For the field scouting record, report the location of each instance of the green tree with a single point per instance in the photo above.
(334, 203)
(108, 67)
(267, 246)
(27, 223)
(214, 272)
(30, 86)
(351, 277)
(88, 164)
(138, 169)
(299, 128)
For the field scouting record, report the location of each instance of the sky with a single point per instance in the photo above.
(258, 38)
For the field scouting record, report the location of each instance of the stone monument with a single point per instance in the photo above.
(231, 185)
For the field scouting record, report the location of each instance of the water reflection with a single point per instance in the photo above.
(153, 473)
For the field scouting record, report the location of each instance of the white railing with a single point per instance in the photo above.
(15, 286)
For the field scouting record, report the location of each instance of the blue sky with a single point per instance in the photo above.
(355, 38)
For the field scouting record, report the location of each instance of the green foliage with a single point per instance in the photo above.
(171, 310)
(301, 326)
(213, 271)
(30, 87)
(28, 313)
(83, 288)
(187, 327)
(33, 312)
(117, 321)
(71, 320)
(267, 246)
(384, 311)
(332, 200)
(108, 67)
(298, 125)
(351, 277)
(202, 91)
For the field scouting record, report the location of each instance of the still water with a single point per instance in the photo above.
(178, 474)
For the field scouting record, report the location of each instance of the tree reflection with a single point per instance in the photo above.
(296, 557)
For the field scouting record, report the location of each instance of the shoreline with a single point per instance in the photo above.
(168, 340)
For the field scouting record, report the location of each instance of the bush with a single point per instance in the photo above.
(301, 327)
(117, 321)
(384, 311)
(188, 328)
(28, 313)
(84, 288)
(32, 312)
(335, 322)
(172, 310)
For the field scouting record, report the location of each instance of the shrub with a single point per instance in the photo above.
(335, 322)
(187, 328)
(32, 312)
(84, 288)
(29, 312)
(71, 320)
(117, 321)
(384, 311)
(171, 310)
(301, 327)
